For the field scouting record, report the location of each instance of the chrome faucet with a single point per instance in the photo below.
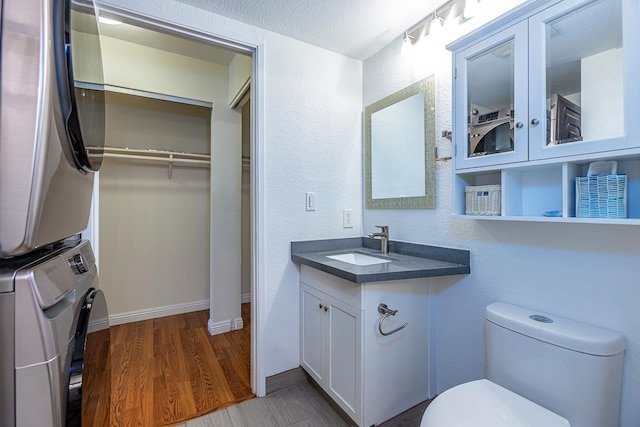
(384, 238)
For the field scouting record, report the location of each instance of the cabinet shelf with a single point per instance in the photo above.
(530, 190)
(574, 220)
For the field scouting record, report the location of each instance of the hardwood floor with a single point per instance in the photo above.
(169, 370)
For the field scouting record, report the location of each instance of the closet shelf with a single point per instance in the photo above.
(158, 157)
(143, 93)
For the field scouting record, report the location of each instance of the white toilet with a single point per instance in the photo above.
(542, 370)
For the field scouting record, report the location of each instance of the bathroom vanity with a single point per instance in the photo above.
(361, 354)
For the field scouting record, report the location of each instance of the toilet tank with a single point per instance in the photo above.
(571, 368)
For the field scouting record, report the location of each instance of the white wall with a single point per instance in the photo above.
(585, 272)
(312, 142)
(154, 243)
(239, 75)
(140, 67)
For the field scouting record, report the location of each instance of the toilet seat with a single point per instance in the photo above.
(483, 403)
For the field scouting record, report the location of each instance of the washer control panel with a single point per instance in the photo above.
(55, 278)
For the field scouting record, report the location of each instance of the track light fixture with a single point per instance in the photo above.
(431, 26)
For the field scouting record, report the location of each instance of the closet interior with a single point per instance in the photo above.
(154, 205)
(167, 220)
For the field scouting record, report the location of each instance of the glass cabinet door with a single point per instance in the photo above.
(576, 60)
(491, 100)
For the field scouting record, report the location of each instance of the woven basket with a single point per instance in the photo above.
(482, 199)
(601, 196)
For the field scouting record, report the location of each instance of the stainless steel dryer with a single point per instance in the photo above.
(55, 358)
(51, 123)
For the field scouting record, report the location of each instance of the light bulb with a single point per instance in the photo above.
(108, 21)
(435, 28)
(407, 44)
(470, 9)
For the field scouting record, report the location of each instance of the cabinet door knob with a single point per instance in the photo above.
(326, 308)
(535, 122)
(320, 306)
(519, 125)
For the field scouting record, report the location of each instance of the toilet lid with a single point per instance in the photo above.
(485, 404)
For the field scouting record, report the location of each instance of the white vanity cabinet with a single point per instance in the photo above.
(370, 376)
(331, 347)
(540, 93)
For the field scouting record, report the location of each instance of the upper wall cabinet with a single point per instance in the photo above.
(539, 94)
(491, 100)
(551, 79)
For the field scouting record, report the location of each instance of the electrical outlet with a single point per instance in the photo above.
(310, 201)
(347, 218)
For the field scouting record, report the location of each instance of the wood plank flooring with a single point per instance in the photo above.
(169, 370)
(295, 406)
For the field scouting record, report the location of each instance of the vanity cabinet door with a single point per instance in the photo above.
(331, 347)
(491, 100)
(312, 316)
(344, 369)
(582, 93)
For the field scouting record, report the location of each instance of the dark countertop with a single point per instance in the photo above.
(409, 260)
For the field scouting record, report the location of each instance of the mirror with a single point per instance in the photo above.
(400, 149)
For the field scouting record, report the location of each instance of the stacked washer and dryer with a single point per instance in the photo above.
(54, 327)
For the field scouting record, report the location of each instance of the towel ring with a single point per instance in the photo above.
(386, 312)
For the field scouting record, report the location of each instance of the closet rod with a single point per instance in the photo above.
(170, 158)
(136, 152)
(157, 159)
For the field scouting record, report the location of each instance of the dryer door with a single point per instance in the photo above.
(89, 391)
(77, 51)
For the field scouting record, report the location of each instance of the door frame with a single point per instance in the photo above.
(257, 52)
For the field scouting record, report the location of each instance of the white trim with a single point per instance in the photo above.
(155, 312)
(238, 323)
(245, 298)
(242, 96)
(98, 325)
(258, 255)
(224, 326)
(216, 328)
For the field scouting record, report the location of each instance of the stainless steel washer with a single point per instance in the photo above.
(53, 316)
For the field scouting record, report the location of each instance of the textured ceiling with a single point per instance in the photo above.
(355, 28)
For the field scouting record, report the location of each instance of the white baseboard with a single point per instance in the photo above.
(98, 325)
(155, 312)
(245, 298)
(224, 326)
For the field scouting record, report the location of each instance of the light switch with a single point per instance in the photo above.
(347, 218)
(310, 203)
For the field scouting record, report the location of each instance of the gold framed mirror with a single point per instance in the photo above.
(400, 149)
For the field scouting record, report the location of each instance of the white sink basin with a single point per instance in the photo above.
(357, 258)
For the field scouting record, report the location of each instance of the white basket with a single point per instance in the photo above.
(601, 196)
(482, 199)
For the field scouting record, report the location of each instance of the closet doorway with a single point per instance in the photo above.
(169, 209)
